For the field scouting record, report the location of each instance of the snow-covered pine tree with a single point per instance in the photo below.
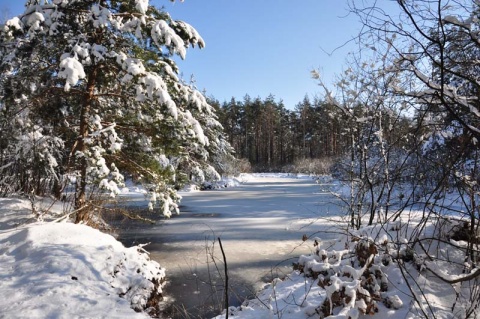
(97, 79)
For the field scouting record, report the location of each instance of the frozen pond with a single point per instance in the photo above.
(260, 223)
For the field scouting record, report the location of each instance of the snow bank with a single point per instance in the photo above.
(67, 270)
(14, 212)
(282, 175)
(358, 276)
(224, 182)
(294, 297)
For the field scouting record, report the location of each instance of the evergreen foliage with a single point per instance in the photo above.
(90, 93)
(274, 138)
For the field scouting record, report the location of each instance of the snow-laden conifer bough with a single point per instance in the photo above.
(91, 94)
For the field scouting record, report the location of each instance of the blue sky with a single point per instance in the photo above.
(260, 47)
(263, 47)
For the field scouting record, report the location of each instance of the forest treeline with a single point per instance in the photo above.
(272, 137)
(268, 136)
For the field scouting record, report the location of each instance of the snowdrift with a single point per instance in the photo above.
(66, 270)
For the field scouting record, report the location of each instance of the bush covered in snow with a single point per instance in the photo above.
(353, 278)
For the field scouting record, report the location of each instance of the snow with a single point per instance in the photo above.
(82, 51)
(65, 270)
(72, 71)
(197, 128)
(141, 5)
(88, 273)
(101, 16)
(192, 33)
(288, 297)
(163, 34)
(453, 20)
(15, 23)
(99, 52)
(395, 301)
(134, 66)
(34, 20)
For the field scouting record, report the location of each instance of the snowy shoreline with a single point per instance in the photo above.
(69, 270)
(89, 273)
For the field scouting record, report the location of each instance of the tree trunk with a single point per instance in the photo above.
(83, 213)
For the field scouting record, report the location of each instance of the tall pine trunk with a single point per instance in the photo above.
(83, 212)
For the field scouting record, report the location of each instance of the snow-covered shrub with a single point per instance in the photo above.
(235, 166)
(353, 279)
(30, 156)
(316, 166)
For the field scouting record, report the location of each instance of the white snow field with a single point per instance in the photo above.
(63, 270)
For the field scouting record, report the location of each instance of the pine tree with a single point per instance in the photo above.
(96, 78)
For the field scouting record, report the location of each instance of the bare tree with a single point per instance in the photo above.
(432, 48)
(378, 129)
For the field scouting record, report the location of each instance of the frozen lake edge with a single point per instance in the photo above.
(261, 225)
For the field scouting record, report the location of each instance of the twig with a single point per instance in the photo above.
(226, 278)
(67, 215)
